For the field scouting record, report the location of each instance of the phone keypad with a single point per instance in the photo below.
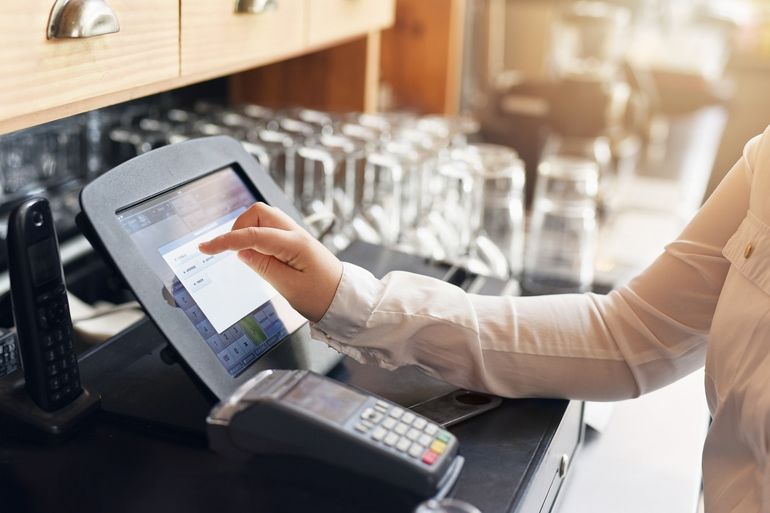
(9, 360)
(404, 431)
(55, 331)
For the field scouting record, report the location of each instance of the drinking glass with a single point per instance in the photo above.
(256, 112)
(276, 150)
(394, 197)
(562, 235)
(332, 162)
(498, 216)
(454, 130)
(300, 133)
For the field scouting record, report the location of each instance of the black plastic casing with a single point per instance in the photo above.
(260, 423)
(150, 175)
(31, 223)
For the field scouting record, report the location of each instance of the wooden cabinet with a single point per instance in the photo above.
(331, 20)
(165, 44)
(38, 74)
(216, 40)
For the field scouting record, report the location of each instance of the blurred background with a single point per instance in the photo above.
(508, 146)
(554, 145)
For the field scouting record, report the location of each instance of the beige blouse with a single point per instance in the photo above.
(705, 299)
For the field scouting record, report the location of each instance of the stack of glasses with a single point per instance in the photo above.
(411, 183)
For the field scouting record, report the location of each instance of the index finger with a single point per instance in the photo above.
(281, 244)
(262, 214)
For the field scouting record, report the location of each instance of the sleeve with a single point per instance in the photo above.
(635, 339)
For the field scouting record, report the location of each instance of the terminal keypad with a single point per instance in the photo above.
(402, 430)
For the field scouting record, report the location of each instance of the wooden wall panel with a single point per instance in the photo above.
(421, 55)
(341, 78)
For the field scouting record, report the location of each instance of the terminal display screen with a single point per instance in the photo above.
(236, 312)
(324, 398)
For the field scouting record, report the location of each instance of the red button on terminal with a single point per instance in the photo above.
(429, 458)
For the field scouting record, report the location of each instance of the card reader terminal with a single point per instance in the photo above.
(301, 413)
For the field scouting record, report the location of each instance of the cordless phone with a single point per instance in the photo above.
(40, 307)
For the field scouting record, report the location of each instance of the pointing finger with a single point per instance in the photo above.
(262, 214)
(282, 244)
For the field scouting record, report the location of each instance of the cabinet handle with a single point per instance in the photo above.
(79, 19)
(254, 6)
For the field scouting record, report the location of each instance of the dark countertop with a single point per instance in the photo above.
(118, 466)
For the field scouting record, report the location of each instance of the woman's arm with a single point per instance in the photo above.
(636, 339)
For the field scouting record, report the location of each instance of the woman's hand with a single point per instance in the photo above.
(299, 267)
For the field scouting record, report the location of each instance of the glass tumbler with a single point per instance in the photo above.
(331, 163)
(499, 178)
(394, 196)
(276, 151)
(562, 232)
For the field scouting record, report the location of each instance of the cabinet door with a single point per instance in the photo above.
(217, 40)
(332, 20)
(38, 74)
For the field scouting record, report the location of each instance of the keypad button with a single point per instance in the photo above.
(401, 428)
(47, 341)
(371, 415)
(52, 369)
(391, 439)
(408, 417)
(379, 433)
(415, 451)
(396, 412)
(438, 447)
(58, 336)
(361, 428)
(420, 423)
(54, 383)
(412, 434)
(403, 444)
(425, 440)
(429, 458)
(431, 429)
(389, 423)
(49, 356)
(444, 437)
(382, 405)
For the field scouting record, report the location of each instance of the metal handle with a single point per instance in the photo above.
(255, 6)
(79, 19)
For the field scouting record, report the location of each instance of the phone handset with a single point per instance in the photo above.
(43, 326)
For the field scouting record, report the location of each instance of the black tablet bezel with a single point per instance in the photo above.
(148, 176)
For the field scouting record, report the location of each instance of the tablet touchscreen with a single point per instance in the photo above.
(237, 313)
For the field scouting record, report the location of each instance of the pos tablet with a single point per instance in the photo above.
(149, 215)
